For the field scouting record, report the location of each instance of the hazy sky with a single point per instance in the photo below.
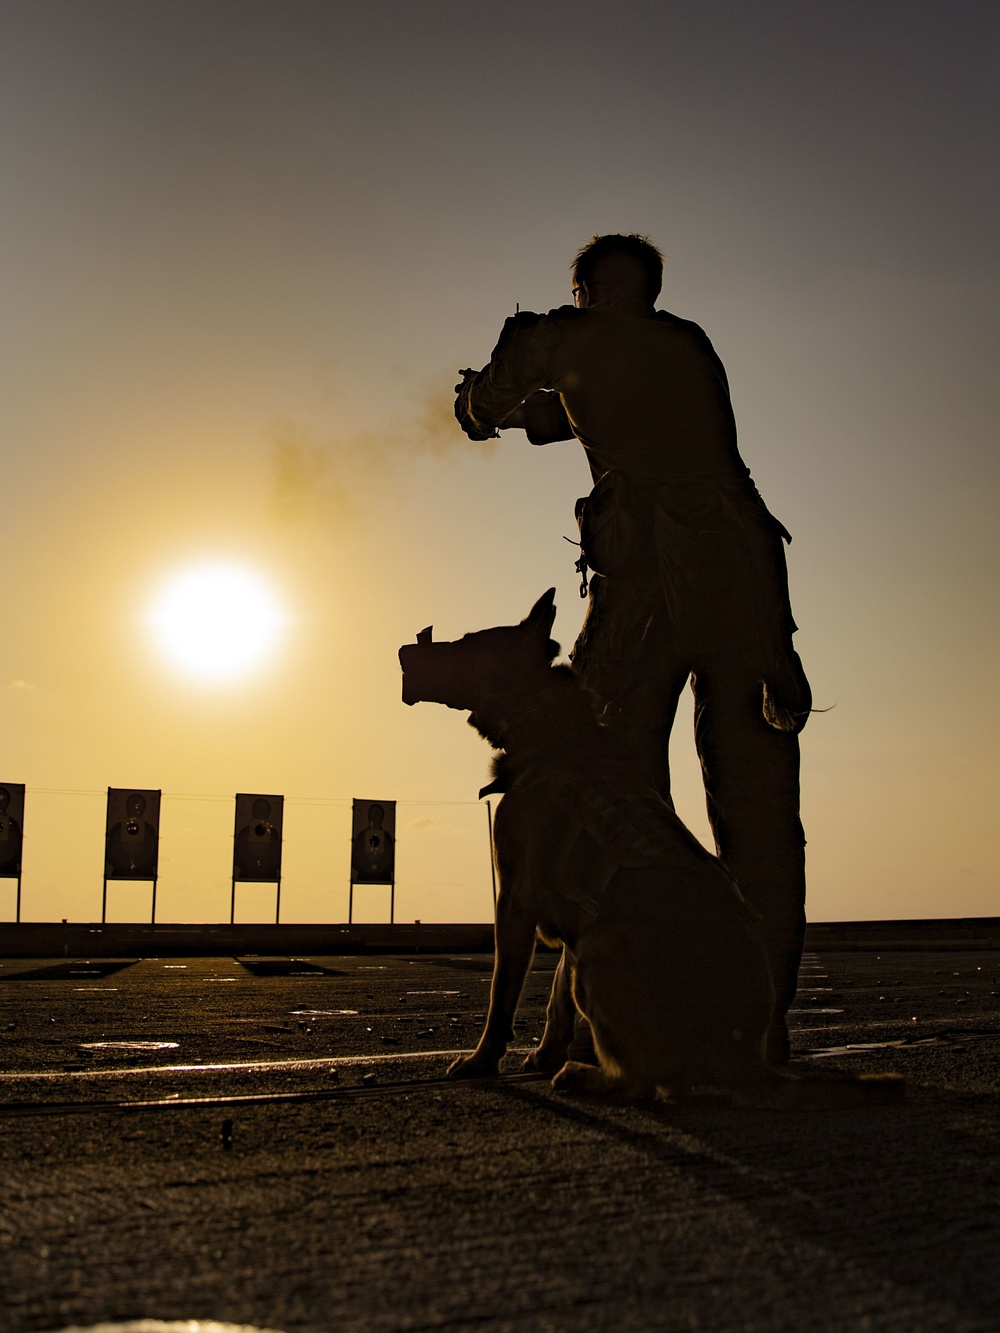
(246, 245)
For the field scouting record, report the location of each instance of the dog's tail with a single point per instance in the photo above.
(791, 1092)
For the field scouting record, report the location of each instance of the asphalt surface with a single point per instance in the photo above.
(286, 1154)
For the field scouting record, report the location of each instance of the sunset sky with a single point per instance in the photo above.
(246, 246)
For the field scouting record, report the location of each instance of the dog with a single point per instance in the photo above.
(663, 955)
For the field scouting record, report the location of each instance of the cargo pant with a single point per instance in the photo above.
(639, 647)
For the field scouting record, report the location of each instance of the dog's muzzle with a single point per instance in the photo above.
(435, 673)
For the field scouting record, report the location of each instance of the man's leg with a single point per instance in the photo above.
(626, 655)
(751, 774)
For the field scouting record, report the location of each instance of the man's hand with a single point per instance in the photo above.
(463, 415)
(513, 422)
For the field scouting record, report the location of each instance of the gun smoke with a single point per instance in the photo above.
(328, 477)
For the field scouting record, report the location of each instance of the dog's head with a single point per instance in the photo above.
(478, 666)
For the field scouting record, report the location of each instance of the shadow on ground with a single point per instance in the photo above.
(501, 1207)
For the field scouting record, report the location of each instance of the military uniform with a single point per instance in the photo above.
(705, 593)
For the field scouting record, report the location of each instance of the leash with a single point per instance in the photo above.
(12, 1110)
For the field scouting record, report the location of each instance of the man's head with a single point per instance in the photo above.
(625, 272)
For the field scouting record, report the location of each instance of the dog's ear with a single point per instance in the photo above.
(542, 614)
(425, 635)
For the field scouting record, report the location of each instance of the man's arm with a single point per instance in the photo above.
(505, 393)
(543, 418)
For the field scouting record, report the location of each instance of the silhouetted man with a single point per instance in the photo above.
(693, 582)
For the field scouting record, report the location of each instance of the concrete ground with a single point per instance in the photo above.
(366, 1195)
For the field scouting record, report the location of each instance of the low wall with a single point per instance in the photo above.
(964, 932)
(31, 939)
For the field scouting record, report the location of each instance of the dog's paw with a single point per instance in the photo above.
(546, 1060)
(592, 1081)
(474, 1066)
(587, 1079)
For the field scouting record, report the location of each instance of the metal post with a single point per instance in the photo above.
(152, 914)
(232, 906)
(104, 902)
(493, 864)
(17, 916)
(350, 904)
(277, 902)
(392, 904)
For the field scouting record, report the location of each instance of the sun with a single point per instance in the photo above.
(217, 622)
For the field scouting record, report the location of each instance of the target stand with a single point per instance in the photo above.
(257, 844)
(373, 850)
